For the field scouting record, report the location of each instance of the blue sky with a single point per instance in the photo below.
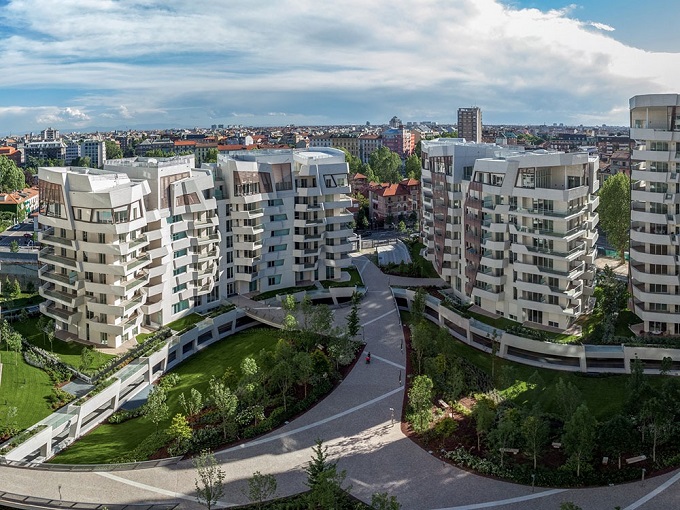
(85, 64)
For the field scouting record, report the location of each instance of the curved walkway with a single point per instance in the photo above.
(355, 423)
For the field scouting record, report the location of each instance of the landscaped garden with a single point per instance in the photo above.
(528, 424)
(237, 388)
(419, 267)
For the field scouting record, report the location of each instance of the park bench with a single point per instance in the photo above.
(633, 460)
(605, 461)
(514, 451)
(443, 404)
(557, 445)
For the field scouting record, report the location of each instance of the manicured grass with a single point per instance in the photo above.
(68, 352)
(288, 290)
(355, 279)
(428, 270)
(185, 322)
(604, 395)
(142, 337)
(25, 299)
(24, 387)
(107, 442)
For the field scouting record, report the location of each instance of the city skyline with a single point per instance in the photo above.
(147, 64)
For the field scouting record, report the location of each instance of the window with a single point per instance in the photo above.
(278, 247)
(182, 305)
(179, 270)
(274, 280)
(553, 300)
(104, 338)
(89, 277)
(175, 218)
(278, 217)
(179, 235)
(102, 238)
(102, 258)
(535, 316)
(179, 288)
(282, 232)
(275, 202)
(85, 236)
(657, 288)
(180, 253)
(275, 263)
(102, 299)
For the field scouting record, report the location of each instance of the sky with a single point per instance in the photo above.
(128, 64)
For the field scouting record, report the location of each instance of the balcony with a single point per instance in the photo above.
(69, 299)
(50, 309)
(48, 255)
(71, 280)
(48, 237)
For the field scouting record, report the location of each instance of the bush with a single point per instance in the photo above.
(206, 438)
(123, 415)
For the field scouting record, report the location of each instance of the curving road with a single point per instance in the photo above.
(355, 423)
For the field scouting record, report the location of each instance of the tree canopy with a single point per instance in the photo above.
(412, 167)
(385, 165)
(113, 150)
(614, 211)
(11, 177)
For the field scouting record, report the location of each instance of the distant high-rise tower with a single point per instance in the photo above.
(470, 124)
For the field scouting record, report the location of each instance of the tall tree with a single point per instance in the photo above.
(484, 414)
(412, 167)
(156, 407)
(506, 433)
(13, 341)
(385, 165)
(616, 436)
(568, 398)
(324, 479)
(614, 211)
(353, 316)
(113, 150)
(535, 432)
(354, 163)
(225, 402)
(420, 400)
(11, 177)
(579, 437)
(418, 306)
(283, 372)
(210, 481)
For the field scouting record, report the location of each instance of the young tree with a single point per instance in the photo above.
(86, 358)
(506, 432)
(568, 398)
(304, 368)
(261, 488)
(179, 429)
(323, 478)
(422, 341)
(283, 372)
(579, 437)
(13, 246)
(210, 481)
(353, 316)
(420, 400)
(383, 501)
(614, 211)
(616, 436)
(193, 404)
(401, 227)
(484, 414)
(10, 427)
(225, 402)
(418, 306)
(13, 341)
(535, 431)
(156, 407)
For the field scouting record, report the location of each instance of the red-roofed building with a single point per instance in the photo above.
(392, 201)
(11, 153)
(20, 203)
(360, 184)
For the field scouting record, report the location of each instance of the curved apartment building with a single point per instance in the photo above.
(135, 244)
(655, 211)
(512, 232)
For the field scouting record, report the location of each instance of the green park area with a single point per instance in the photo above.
(108, 442)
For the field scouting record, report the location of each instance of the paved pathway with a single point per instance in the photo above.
(355, 422)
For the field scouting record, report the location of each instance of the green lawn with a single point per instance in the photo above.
(185, 322)
(25, 299)
(604, 394)
(355, 279)
(107, 442)
(24, 387)
(427, 267)
(68, 352)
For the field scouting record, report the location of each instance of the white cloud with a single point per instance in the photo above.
(141, 61)
(601, 26)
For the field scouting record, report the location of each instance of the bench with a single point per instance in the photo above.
(557, 445)
(514, 451)
(443, 404)
(605, 461)
(633, 460)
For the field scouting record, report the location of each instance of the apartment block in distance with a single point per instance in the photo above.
(288, 217)
(655, 211)
(135, 244)
(470, 124)
(512, 232)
